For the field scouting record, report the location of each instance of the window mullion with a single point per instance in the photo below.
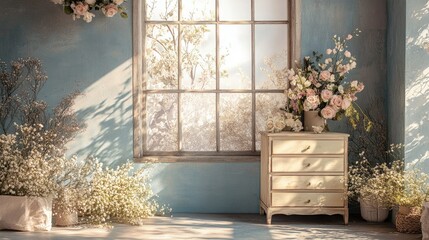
(252, 9)
(179, 77)
(217, 78)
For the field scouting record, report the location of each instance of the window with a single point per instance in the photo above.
(206, 75)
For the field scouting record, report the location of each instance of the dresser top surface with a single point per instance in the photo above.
(304, 134)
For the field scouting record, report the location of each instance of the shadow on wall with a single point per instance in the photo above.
(417, 87)
(106, 109)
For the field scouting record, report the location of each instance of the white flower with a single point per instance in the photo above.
(297, 126)
(88, 17)
(341, 89)
(90, 2)
(328, 51)
(58, 1)
(347, 54)
(354, 84)
(269, 125)
(349, 37)
(118, 2)
(317, 129)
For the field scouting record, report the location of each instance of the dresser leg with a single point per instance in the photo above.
(346, 217)
(269, 219)
(261, 211)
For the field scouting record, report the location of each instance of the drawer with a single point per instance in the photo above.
(307, 182)
(307, 164)
(289, 146)
(307, 199)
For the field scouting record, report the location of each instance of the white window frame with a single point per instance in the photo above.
(138, 96)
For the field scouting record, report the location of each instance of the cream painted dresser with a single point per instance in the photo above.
(304, 173)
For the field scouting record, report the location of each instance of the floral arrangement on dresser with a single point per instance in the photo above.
(85, 8)
(320, 84)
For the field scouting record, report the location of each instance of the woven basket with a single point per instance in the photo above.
(409, 222)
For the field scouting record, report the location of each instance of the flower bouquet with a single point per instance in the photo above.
(320, 84)
(83, 8)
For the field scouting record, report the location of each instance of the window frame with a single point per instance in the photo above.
(139, 115)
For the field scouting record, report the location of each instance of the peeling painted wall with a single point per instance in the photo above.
(95, 58)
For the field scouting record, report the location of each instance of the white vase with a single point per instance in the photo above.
(372, 211)
(24, 213)
(312, 118)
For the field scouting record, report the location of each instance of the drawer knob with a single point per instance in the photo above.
(305, 149)
(309, 184)
(307, 165)
(308, 201)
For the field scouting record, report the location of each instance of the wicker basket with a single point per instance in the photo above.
(408, 221)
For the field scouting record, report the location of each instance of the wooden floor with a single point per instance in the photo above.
(227, 226)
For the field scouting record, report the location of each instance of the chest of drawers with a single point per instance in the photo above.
(304, 173)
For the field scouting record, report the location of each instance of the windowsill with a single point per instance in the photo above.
(193, 159)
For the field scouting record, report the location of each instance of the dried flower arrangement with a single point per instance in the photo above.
(33, 162)
(388, 184)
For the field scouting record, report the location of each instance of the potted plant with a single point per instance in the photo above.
(27, 182)
(375, 187)
(32, 140)
(410, 200)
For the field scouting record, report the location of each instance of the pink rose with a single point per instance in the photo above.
(346, 103)
(325, 75)
(311, 103)
(328, 112)
(310, 92)
(326, 95)
(110, 10)
(336, 101)
(79, 8)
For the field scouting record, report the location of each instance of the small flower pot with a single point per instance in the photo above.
(24, 213)
(63, 219)
(372, 211)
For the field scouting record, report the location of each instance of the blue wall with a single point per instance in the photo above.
(96, 58)
(396, 70)
(408, 78)
(417, 83)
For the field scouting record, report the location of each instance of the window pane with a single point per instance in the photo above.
(235, 56)
(235, 10)
(271, 10)
(266, 104)
(235, 116)
(198, 111)
(161, 10)
(198, 53)
(161, 122)
(271, 55)
(195, 10)
(161, 56)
